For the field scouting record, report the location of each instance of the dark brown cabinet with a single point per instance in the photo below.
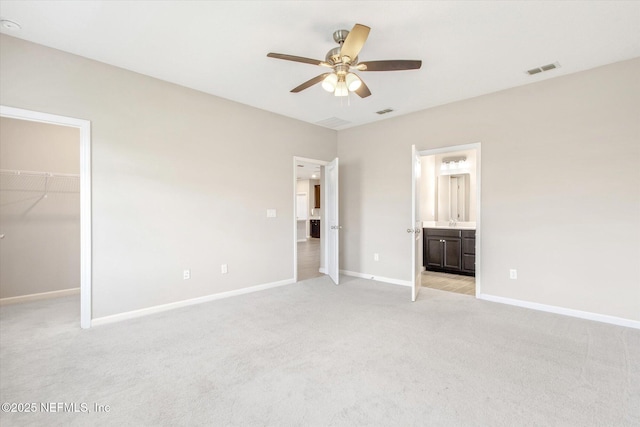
(469, 251)
(316, 193)
(315, 228)
(449, 250)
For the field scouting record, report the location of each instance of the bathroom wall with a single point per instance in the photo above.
(431, 170)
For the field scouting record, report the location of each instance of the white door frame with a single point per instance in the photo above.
(323, 230)
(474, 146)
(85, 195)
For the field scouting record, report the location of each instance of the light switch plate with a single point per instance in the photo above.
(271, 213)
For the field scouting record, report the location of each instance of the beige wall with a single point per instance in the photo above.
(168, 195)
(550, 152)
(40, 251)
(172, 182)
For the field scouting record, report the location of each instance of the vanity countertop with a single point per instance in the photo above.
(468, 225)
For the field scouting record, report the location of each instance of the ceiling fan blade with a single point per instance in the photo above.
(309, 83)
(297, 59)
(392, 65)
(354, 41)
(363, 91)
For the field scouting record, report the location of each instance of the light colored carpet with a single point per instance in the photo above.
(315, 354)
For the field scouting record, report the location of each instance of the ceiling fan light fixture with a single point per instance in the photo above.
(353, 82)
(341, 89)
(330, 82)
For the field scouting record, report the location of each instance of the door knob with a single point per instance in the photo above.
(410, 230)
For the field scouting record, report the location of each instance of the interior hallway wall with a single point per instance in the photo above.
(181, 179)
(558, 158)
(40, 251)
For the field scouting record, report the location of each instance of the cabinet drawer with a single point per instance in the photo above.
(470, 234)
(441, 232)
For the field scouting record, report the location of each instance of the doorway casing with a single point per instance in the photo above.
(452, 149)
(84, 127)
(323, 230)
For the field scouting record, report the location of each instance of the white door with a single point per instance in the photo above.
(333, 225)
(416, 224)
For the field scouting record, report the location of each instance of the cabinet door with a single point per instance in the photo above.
(316, 192)
(469, 263)
(434, 252)
(452, 253)
(469, 245)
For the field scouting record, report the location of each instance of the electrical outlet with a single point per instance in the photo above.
(224, 269)
(513, 274)
(186, 274)
(376, 257)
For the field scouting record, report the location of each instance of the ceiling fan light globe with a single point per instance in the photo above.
(341, 89)
(353, 82)
(330, 82)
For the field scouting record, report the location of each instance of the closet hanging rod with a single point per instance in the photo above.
(42, 174)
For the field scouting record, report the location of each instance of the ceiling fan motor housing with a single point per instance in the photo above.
(333, 57)
(340, 36)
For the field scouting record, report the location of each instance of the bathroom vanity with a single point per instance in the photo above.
(450, 250)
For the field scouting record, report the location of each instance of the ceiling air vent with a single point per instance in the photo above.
(332, 122)
(385, 111)
(542, 68)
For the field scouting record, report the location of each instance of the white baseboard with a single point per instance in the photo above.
(378, 278)
(184, 303)
(43, 295)
(322, 270)
(302, 240)
(564, 311)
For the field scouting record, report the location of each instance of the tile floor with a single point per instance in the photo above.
(449, 282)
(309, 259)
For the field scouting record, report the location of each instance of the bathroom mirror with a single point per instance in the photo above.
(453, 198)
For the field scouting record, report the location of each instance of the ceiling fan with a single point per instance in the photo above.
(343, 60)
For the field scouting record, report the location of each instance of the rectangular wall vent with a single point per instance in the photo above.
(385, 111)
(542, 68)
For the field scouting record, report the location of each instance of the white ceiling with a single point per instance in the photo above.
(307, 171)
(219, 47)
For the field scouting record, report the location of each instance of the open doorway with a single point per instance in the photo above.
(449, 210)
(327, 215)
(309, 223)
(46, 208)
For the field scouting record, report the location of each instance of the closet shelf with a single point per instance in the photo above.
(39, 182)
